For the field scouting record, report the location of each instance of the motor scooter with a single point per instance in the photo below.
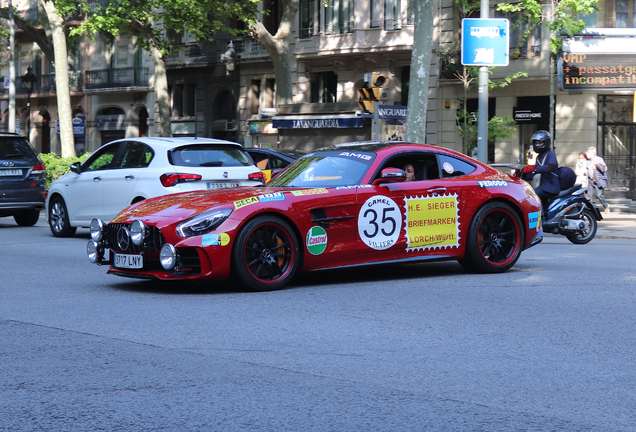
(571, 213)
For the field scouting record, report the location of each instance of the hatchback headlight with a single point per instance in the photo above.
(97, 229)
(138, 232)
(203, 223)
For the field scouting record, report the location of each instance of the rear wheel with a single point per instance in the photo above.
(265, 255)
(27, 218)
(58, 219)
(585, 236)
(494, 241)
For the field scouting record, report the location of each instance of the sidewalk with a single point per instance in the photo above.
(617, 225)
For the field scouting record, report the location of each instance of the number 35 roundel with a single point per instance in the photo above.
(379, 222)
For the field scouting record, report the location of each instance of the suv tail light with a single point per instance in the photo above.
(39, 169)
(171, 179)
(258, 176)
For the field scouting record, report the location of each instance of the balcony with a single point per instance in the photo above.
(46, 84)
(120, 79)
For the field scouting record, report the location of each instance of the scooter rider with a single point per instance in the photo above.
(546, 165)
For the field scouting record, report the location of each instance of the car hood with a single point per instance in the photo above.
(167, 209)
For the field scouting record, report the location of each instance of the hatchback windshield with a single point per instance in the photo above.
(209, 156)
(325, 169)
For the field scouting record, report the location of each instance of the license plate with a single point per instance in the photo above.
(129, 261)
(218, 185)
(10, 172)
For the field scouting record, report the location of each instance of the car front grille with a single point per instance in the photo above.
(116, 236)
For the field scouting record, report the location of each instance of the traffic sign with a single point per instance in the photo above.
(485, 42)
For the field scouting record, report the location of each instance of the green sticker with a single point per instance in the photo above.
(316, 240)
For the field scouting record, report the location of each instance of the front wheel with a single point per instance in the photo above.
(494, 240)
(265, 255)
(585, 236)
(27, 218)
(58, 219)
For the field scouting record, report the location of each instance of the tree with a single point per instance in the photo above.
(151, 21)
(53, 44)
(420, 66)
(277, 47)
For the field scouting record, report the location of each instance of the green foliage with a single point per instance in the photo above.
(565, 16)
(499, 128)
(56, 166)
(152, 20)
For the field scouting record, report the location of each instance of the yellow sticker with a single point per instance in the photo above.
(310, 192)
(431, 222)
(245, 202)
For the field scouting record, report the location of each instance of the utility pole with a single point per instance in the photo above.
(482, 120)
(11, 70)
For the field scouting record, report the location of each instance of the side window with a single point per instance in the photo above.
(276, 162)
(135, 155)
(102, 159)
(452, 167)
(260, 160)
(424, 165)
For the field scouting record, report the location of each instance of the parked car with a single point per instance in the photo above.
(344, 205)
(271, 162)
(22, 180)
(130, 170)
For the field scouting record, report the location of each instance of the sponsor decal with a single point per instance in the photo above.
(379, 222)
(276, 196)
(310, 192)
(353, 187)
(492, 183)
(316, 240)
(222, 239)
(431, 222)
(534, 220)
(355, 155)
(245, 202)
(448, 168)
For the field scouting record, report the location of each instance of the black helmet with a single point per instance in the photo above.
(541, 141)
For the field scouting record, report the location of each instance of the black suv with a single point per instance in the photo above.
(22, 180)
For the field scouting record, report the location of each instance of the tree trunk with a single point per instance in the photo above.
(420, 67)
(161, 87)
(64, 110)
(277, 47)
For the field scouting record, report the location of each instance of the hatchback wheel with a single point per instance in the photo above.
(27, 218)
(58, 219)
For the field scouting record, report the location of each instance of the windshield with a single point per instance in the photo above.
(325, 169)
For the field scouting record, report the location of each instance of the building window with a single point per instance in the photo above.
(307, 11)
(183, 100)
(339, 17)
(406, 78)
(255, 95)
(386, 14)
(324, 88)
(522, 44)
(269, 93)
(624, 14)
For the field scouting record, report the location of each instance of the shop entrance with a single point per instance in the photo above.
(617, 145)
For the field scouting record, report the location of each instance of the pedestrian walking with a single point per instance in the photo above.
(581, 170)
(596, 173)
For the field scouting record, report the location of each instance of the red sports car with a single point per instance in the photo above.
(343, 205)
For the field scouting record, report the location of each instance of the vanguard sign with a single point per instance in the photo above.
(318, 123)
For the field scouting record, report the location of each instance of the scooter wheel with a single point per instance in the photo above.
(583, 237)
(494, 241)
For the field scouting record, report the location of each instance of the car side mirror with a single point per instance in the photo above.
(75, 167)
(391, 175)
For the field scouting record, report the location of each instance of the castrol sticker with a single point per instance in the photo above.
(431, 222)
(379, 222)
(316, 240)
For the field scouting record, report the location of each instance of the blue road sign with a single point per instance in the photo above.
(485, 42)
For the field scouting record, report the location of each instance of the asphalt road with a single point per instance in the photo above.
(547, 346)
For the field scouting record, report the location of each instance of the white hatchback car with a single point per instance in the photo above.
(129, 170)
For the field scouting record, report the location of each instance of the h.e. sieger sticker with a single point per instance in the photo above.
(222, 239)
(431, 222)
(379, 222)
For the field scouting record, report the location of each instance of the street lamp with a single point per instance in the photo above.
(229, 58)
(28, 80)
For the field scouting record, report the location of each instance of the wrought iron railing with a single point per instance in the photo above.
(621, 175)
(116, 78)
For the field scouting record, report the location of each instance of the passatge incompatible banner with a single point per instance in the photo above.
(595, 72)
